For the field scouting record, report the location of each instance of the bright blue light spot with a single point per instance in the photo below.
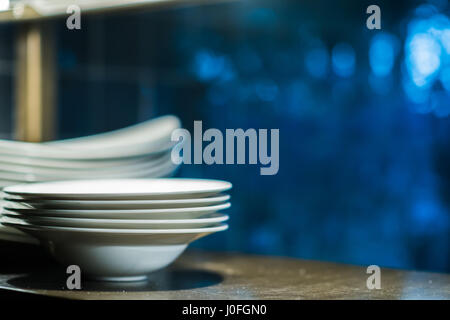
(427, 48)
(427, 57)
(445, 39)
(208, 66)
(316, 61)
(343, 59)
(423, 58)
(382, 54)
(439, 28)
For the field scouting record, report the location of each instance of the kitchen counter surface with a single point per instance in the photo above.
(208, 275)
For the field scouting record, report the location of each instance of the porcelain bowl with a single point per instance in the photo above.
(115, 254)
(115, 262)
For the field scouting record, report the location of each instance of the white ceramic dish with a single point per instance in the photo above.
(64, 153)
(151, 170)
(72, 164)
(21, 170)
(172, 213)
(148, 131)
(18, 203)
(125, 236)
(116, 255)
(116, 173)
(203, 222)
(122, 189)
(146, 138)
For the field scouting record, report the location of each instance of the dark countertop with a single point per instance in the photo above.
(206, 275)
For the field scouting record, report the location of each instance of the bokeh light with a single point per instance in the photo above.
(427, 60)
(343, 59)
(316, 61)
(382, 54)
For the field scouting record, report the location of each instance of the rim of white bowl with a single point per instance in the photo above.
(221, 227)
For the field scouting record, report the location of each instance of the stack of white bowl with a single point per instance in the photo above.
(142, 150)
(117, 229)
(139, 151)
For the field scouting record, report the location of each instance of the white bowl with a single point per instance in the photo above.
(74, 164)
(57, 173)
(117, 223)
(155, 169)
(145, 138)
(115, 262)
(115, 254)
(171, 213)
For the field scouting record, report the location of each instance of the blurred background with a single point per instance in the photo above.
(364, 115)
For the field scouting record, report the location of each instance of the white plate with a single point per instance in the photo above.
(18, 203)
(122, 189)
(146, 138)
(173, 213)
(117, 223)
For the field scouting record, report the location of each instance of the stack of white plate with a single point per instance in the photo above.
(142, 150)
(139, 151)
(117, 229)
